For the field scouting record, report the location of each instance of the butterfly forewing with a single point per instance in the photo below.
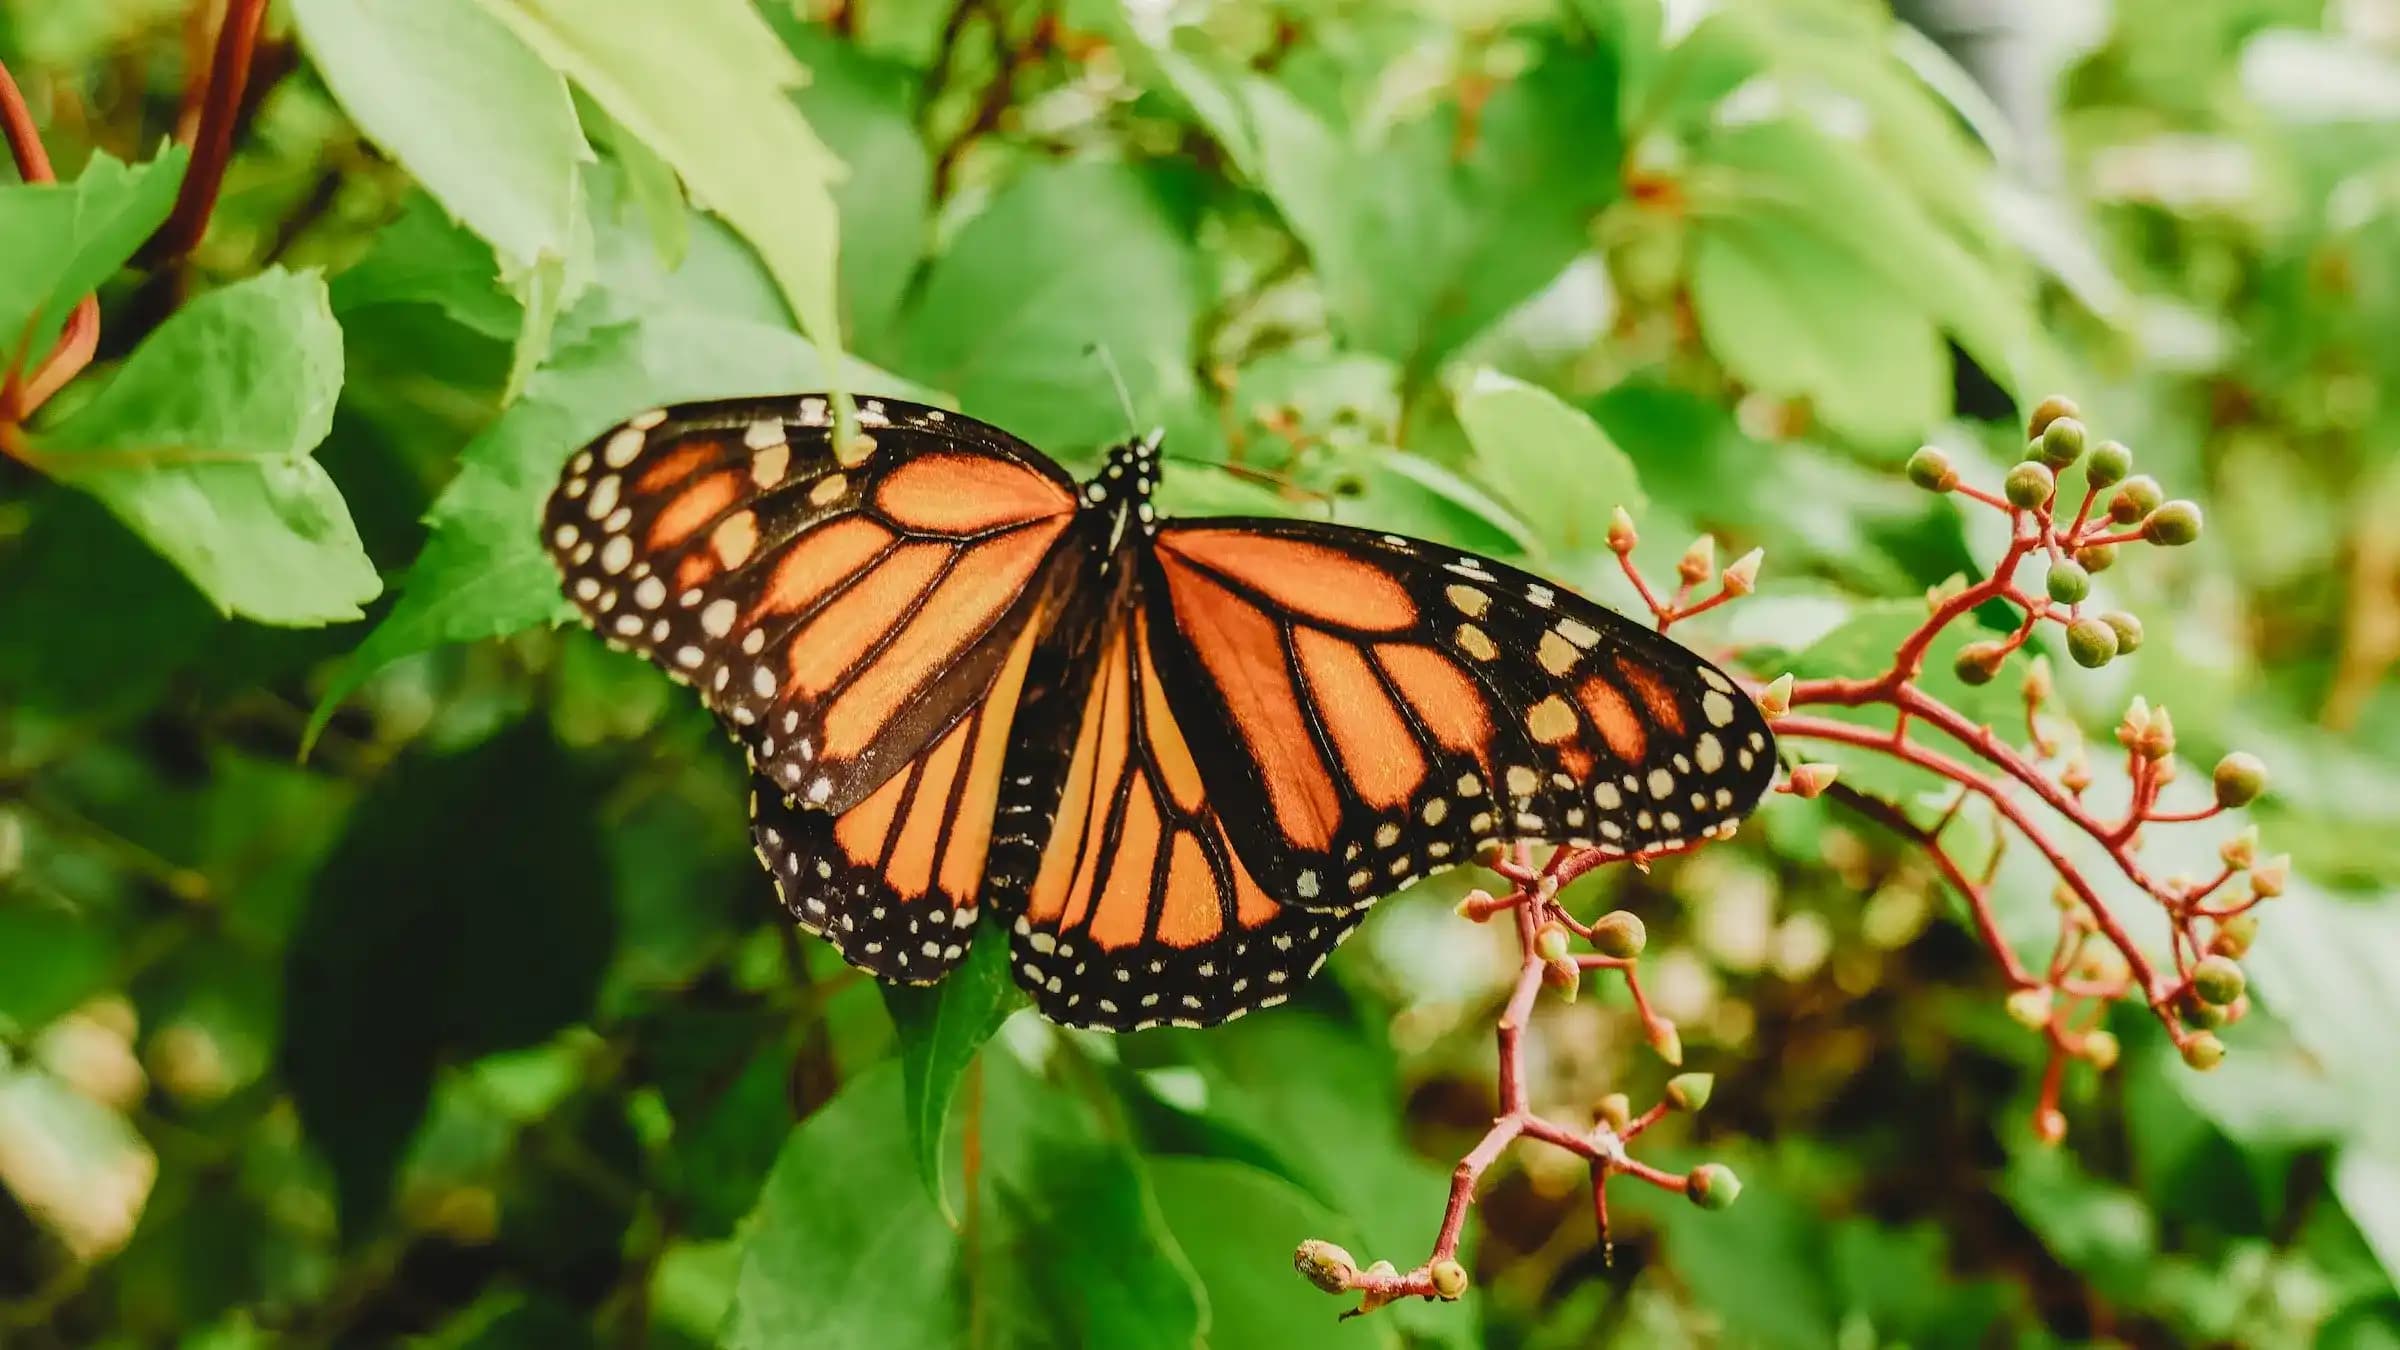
(1389, 706)
(838, 612)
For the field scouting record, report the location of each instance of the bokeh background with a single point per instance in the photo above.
(477, 1024)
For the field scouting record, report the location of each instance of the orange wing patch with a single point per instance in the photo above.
(1139, 912)
(1326, 585)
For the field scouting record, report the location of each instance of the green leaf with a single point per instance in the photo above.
(710, 93)
(403, 957)
(483, 573)
(481, 122)
(942, 1027)
(845, 1250)
(63, 239)
(1229, 1218)
(1793, 314)
(1552, 463)
(50, 960)
(201, 443)
(866, 110)
(1065, 259)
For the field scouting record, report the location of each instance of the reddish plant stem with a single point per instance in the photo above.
(212, 137)
(81, 335)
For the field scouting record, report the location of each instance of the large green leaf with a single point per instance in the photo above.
(1551, 462)
(489, 130)
(201, 443)
(1065, 259)
(63, 239)
(708, 89)
(942, 1027)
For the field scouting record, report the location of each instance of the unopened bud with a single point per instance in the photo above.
(2062, 442)
(1620, 934)
(2234, 935)
(2101, 1048)
(1699, 562)
(2218, 980)
(1551, 942)
(2049, 410)
(2177, 522)
(1977, 662)
(2029, 485)
(2203, 1051)
(2091, 643)
(1776, 699)
(2031, 1007)
(2239, 778)
(1477, 906)
(2158, 738)
(2068, 582)
(1690, 1091)
(2134, 723)
(1932, 470)
(2128, 630)
(1811, 780)
(2096, 557)
(1565, 977)
(2039, 683)
(1615, 1111)
(2200, 1013)
(1713, 1186)
(1326, 1266)
(2241, 849)
(2109, 464)
(1666, 1041)
(2077, 773)
(2137, 497)
(1742, 577)
(1621, 534)
(2269, 878)
(1449, 1278)
(2050, 1125)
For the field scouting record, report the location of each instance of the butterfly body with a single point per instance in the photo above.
(1175, 760)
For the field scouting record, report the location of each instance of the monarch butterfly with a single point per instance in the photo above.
(1178, 759)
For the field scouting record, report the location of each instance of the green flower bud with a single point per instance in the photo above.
(2139, 496)
(1667, 1041)
(2270, 877)
(1620, 934)
(1690, 1091)
(1449, 1278)
(2029, 485)
(2218, 980)
(1551, 942)
(2069, 583)
(2239, 778)
(1327, 1266)
(2177, 522)
(1713, 1186)
(2101, 1048)
(1615, 1111)
(1978, 662)
(2097, 557)
(2204, 1052)
(2030, 1007)
(1932, 470)
(2049, 410)
(2235, 935)
(2128, 630)
(2062, 442)
(2091, 642)
(2199, 1012)
(2109, 464)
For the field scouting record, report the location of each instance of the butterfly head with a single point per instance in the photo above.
(1125, 482)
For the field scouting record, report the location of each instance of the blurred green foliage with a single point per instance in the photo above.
(476, 1025)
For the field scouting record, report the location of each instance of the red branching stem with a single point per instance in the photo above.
(19, 396)
(212, 138)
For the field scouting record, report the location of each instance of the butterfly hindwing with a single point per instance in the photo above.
(895, 881)
(1127, 904)
(838, 612)
(1388, 706)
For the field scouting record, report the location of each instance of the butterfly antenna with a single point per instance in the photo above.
(1108, 362)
